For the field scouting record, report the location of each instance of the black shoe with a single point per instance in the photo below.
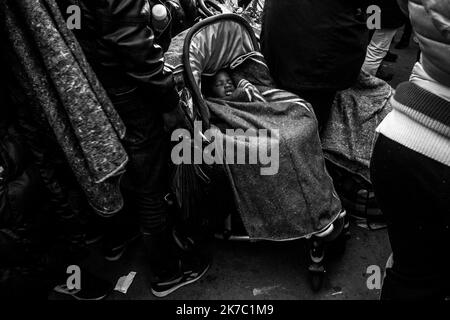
(189, 273)
(391, 57)
(92, 288)
(115, 248)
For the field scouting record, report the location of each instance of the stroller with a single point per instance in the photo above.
(308, 208)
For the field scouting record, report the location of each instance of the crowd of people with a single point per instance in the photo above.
(313, 49)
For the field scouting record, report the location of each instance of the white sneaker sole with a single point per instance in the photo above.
(62, 289)
(162, 294)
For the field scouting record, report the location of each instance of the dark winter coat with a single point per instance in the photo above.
(391, 15)
(120, 44)
(312, 44)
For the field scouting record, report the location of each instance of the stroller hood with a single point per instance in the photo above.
(207, 47)
(217, 44)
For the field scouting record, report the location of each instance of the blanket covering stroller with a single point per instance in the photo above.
(299, 200)
(349, 137)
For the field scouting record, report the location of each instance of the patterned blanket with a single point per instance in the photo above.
(61, 87)
(299, 198)
(349, 137)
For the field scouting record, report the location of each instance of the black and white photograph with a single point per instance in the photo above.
(224, 156)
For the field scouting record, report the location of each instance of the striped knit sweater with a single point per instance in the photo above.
(420, 121)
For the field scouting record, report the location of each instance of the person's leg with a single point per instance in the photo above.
(377, 49)
(145, 182)
(145, 185)
(321, 101)
(60, 232)
(406, 36)
(119, 231)
(413, 192)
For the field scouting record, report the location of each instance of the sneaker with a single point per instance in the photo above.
(92, 288)
(189, 274)
(115, 248)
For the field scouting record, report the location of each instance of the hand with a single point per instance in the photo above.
(174, 119)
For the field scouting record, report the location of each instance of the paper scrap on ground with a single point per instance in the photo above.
(264, 290)
(125, 282)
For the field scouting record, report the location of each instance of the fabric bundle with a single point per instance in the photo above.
(349, 135)
(61, 86)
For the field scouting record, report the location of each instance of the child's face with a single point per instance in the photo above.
(222, 85)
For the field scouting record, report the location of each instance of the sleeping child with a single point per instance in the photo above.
(221, 86)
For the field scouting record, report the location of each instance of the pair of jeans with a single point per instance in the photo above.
(413, 192)
(145, 182)
(377, 49)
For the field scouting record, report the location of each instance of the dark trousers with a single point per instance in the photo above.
(407, 32)
(413, 191)
(145, 182)
(321, 101)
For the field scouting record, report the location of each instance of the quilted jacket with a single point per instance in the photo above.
(431, 22)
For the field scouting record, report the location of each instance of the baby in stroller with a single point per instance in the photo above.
(218, 64)
(222, 86)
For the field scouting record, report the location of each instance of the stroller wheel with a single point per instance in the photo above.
(336, 247)
(316, 268)
(316, 276)
(316, 280)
